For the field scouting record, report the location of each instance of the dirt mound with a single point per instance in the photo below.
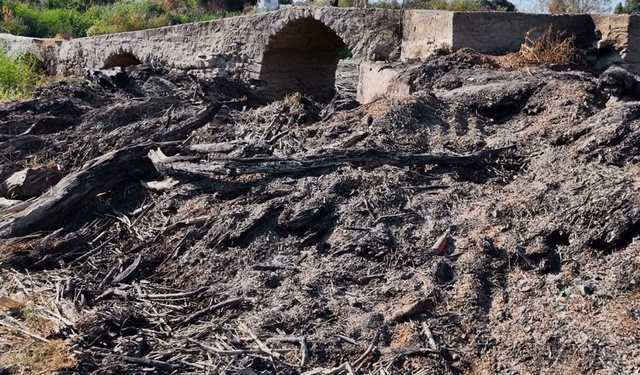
(485, 225)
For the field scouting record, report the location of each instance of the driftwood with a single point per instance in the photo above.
(333, 158)
(183, 130)
(418, 307)
(21, 141)
(198, 314)
(75, 190)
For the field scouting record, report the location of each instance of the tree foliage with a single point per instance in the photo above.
(579, 6)
(629, 7)
(458, 5)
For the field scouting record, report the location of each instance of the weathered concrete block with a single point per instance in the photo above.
(380, 80)
(424, 31)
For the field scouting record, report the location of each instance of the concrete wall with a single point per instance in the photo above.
(614, 29)
(497, 33)
(631, 57)
(487, 32)
(424, 31)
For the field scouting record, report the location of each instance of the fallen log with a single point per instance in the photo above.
(75, 190)
(333, 158)
(22, 141)
(184, 129)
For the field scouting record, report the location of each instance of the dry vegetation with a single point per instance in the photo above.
(552, 47)
(32, 340)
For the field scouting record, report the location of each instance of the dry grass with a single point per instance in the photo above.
(23, 354)
(30, 320)
(552, 47)
(28, 356)
(293, 98)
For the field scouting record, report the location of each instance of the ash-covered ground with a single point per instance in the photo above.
(486, 224)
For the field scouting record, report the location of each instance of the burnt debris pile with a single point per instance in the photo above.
(166, 222)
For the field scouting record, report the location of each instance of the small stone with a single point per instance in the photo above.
(443, 272)
(524, 285)
(584, 289)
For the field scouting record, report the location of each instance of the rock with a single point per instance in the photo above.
(382, 80)
(29, 183)
(222, 116)
(158, 86)
(115, 78)
(602, 44)
(443, 272)
(10, 303)
(618, 81)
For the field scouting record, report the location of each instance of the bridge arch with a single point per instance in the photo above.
(301, 57)
(122, 59)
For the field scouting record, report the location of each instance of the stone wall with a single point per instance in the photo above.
(44, 49)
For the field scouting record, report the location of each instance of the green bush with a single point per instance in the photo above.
(138, 15)
(78, 5)
(128, 16)
(11, 24)
(20, 75)
(49, 18)
(47, 23)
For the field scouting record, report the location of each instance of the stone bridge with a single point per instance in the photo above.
(297, 49)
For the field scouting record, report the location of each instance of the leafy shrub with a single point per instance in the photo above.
(46, 23)
(78, 5)
(127, 16)
(20, 75)
(11, 24)
(49, 18)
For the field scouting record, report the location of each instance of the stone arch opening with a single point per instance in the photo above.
(122, 60)
(302, 57)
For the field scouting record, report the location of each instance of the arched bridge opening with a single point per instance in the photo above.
(302, 57)
(122, 60)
